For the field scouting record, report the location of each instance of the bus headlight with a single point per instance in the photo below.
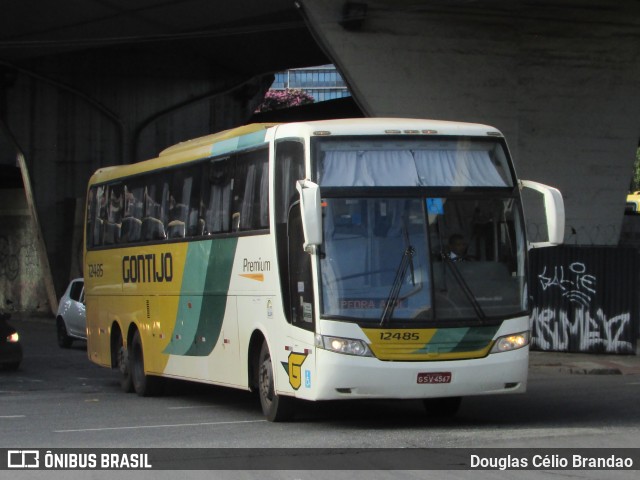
(511, 342)
(13, 338)
(347, 346)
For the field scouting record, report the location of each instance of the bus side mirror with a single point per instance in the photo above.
(311, 212)
(554, 212)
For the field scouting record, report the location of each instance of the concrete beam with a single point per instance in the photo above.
(561, 82)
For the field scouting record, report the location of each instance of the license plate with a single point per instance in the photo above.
(434, 377)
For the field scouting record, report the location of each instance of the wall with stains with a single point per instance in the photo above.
(22, 286)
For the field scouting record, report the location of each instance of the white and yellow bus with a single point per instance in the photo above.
(341, 259)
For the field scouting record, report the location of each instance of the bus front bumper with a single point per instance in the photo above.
(344, 377)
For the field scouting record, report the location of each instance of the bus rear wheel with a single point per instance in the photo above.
(124, 366)
(275, 408)
(144, 385)
(445, 407)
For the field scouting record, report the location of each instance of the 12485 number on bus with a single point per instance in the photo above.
(407, 336)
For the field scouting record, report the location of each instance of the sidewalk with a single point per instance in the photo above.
(584, 363)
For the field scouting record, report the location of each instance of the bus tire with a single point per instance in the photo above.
(143, 384)
(445, 407)
(276, 408)
(123, 365)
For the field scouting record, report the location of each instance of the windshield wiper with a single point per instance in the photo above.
(464, 286)
(394, 293)
(396, 286)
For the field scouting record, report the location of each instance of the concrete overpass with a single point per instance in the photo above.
(100, 82)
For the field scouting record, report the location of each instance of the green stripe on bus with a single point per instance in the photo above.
(462, 339)
(214, 303)
(238, 143)
(476, 338)
(190, 303)
(198, 328)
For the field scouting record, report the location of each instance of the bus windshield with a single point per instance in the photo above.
(422, 259)
(419, 228)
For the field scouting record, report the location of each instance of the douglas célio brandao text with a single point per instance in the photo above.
(550, 461)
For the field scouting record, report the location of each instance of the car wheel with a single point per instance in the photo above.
(144, 385)
(64, 340)
(276, 408)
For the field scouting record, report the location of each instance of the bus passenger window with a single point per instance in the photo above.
(131, 222)
(99, 214)
(91, 216)
(113, 222)
(152, 222)
(250, 190)
(179, 198)
(216, 197)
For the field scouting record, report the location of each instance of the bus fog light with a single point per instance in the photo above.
(347, 346)
(511, 342)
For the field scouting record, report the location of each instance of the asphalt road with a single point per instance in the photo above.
(58, 399)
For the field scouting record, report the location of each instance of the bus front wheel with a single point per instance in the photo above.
(144, 385)
(276, 408)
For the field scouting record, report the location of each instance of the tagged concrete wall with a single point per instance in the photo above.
(562, 82)
(22, 287)
(584, 299)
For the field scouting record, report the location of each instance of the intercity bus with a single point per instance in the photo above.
(312, 261)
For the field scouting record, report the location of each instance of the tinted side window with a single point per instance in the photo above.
(97, 213)
(156, 203)
(133, 211)
(300, 281)
(76, 291)
(289, 168)
(113, 221)
(220, 195)
(215, 209)
(182, 215)
(251, 191)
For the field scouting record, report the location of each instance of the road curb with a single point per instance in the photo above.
(576, 363)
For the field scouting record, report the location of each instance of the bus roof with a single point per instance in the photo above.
(214, 138)
(202, 147)
(256, 134)
(389, 126)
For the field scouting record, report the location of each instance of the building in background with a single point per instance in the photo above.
(322, 83)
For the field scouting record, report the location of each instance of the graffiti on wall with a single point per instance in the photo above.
(574, 307)
(17, 259)
(576, 284)
(557, 331)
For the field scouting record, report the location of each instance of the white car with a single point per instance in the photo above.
(71, 320)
